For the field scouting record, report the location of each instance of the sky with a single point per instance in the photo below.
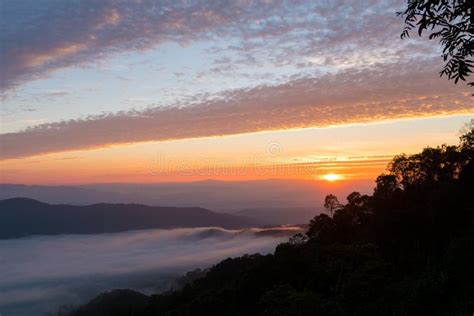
(157, 91)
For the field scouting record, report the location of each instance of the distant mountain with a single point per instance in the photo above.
(59, 194)
(21, 217)
(226, 196)
(232, 196)
(280, 215)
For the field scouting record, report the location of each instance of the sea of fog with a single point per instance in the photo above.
(41, 273)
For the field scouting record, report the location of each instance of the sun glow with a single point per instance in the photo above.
(331, 177)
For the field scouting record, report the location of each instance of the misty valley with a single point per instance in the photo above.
(41, 274)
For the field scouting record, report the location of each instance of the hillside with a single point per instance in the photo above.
(20, 217)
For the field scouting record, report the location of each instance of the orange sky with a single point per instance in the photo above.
(241, 91)
(350, 152)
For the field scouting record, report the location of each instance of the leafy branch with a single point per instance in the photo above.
(450, 21)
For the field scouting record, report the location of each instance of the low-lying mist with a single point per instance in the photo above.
(42, 273)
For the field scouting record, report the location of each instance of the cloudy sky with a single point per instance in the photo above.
(150, 91)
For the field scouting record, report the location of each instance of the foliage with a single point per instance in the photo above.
(452, 22)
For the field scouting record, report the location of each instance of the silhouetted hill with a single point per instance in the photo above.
(113, 303)
(21, 217)
(61, 194)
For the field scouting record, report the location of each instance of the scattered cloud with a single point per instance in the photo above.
(379, 92)
(40, 37)
(354, 67)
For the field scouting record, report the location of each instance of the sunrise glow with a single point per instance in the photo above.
(101, 105)
(332, 177)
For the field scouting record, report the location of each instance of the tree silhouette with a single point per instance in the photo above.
(452, 21)
(467, 137)
(331, 204)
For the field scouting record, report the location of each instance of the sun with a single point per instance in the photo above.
(331, 177)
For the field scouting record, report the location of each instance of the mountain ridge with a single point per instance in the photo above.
(22, 217)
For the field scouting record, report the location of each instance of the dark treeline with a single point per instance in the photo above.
(406, 250)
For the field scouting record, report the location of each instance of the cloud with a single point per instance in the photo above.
(379, 92)
(38, 37)
(42, 36)
(41, 273)
(353, 66)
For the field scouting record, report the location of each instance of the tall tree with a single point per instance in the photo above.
(331, 204)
